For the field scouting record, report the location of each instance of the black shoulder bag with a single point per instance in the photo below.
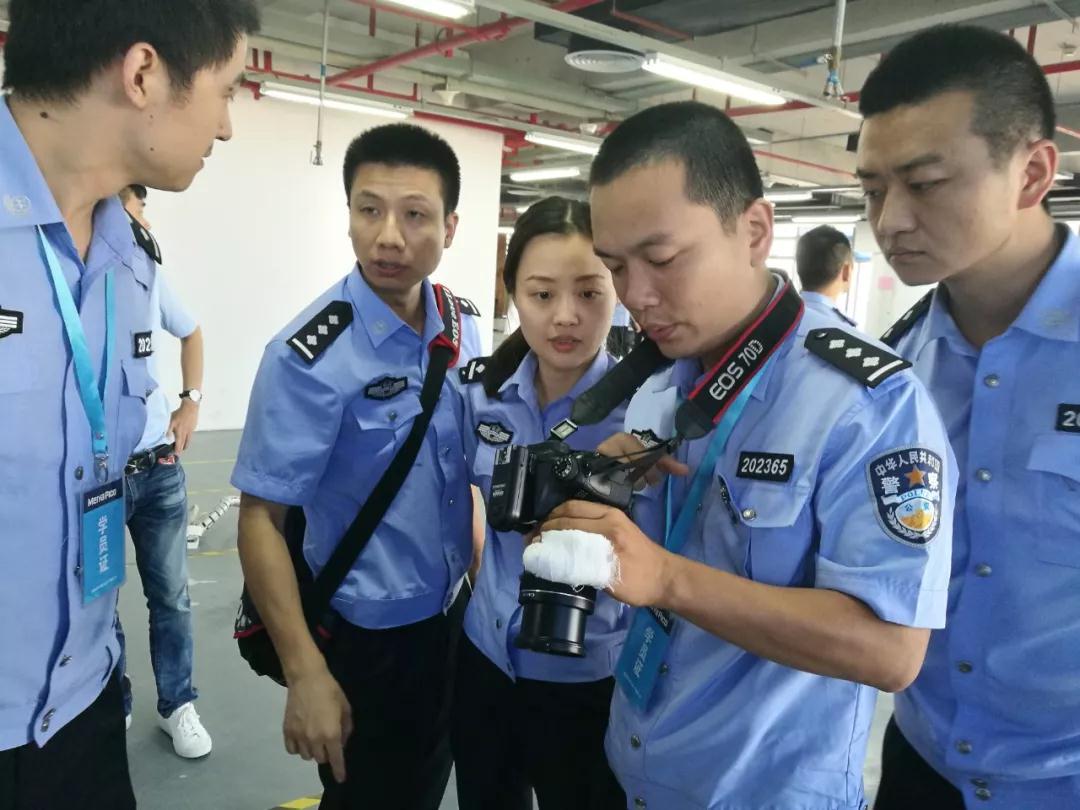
(316, 592)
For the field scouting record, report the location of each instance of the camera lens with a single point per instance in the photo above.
(553, 616)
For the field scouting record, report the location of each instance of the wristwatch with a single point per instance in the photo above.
(194, 394)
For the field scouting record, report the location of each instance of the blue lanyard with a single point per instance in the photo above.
(91, 391)
(675, 536)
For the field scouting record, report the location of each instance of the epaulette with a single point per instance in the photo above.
(144, 239)
(322, 330)
(468, 307)
(473, 371)
(867, 363)
(907, 320)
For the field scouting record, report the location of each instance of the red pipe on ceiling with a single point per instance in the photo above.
(1031, 38)
(806, 163)
(483, 33)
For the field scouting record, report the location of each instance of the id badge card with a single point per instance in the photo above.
(103, 540)
(643, 654)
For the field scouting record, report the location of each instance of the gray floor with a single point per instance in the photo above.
(248, 769)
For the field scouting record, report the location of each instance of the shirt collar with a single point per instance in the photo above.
(25, 198)
(380, 321)
(524, 378)
(818, 298)
(1053, 311)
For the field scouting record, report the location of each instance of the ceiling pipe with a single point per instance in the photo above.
(804, 163)
(484, 33)
(1031, 39)
(647, 24)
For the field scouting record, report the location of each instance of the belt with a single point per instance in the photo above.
(140, 462)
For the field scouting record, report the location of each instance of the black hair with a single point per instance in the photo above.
(1012, 98)
(551, 215)
(820, 255)
(55, 48)
(720, 168)
(134, 190)
(406, 145)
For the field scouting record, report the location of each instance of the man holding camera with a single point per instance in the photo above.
(805, 554)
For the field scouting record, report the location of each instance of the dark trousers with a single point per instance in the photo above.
(84, 765)
(907, 780)
(513, 737)
(399, 683)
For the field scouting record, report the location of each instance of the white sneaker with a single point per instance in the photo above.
(190, 739)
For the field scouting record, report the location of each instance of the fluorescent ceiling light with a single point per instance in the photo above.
(333, 101)
(826, 219)
(688, 72)
(586, 146)
(1061, 176)
(506, 230)
(789, 196)
(454, 9)
(531, 175)
(521, 209)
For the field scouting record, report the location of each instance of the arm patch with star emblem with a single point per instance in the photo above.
(317, 334)
(905, 485)
(867, 363)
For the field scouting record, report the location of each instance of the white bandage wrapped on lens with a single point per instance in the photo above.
(573, 557)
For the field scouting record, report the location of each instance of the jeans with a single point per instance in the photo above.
(157, 520)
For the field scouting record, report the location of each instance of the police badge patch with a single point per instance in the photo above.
(386, 388)
(648, 438)
(494, 432)
(906, 486)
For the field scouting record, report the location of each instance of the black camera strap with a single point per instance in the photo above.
(706, 404)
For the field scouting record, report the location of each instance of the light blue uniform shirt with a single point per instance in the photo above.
(493, 618)
(315, 438)
(727, 730)
(57, 654)
(826, 306)
(997, 705)
(167, 315)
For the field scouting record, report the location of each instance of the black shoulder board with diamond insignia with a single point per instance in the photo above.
(145, 240)
(907, 320)
(468, 307)
(473, 371)
(322, 330)
(864, 361)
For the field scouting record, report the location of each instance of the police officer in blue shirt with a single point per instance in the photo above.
(956, 158)
(799, 563)
(335, 396)
(527, 721)
(825, 265)
(80, 124)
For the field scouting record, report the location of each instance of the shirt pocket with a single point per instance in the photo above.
(375, 429)
(1055, 466)
(137, 387)
(777, 526)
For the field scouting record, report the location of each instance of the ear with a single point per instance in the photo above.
(144, 75)
(451, 229)
(758, 219)
(1038, 173)
(846, 271)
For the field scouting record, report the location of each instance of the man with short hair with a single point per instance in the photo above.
(802, 566)
(956, 158)
(825, 265)
(102, 94)
(335, 397)
(157, 512)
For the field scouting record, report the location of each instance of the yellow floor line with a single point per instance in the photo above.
(302, 803)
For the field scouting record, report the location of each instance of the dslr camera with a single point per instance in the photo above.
(526, 485)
